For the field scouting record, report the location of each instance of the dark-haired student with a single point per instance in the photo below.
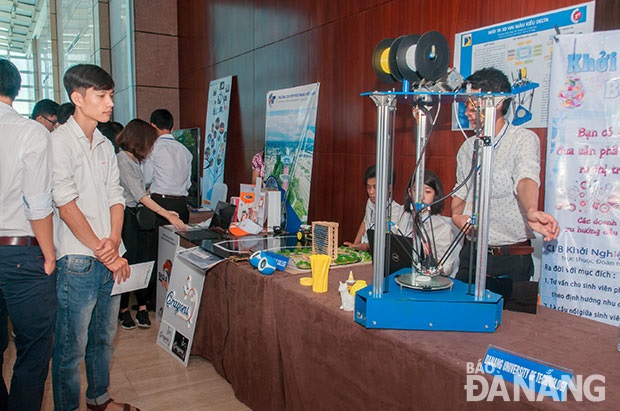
(436, 231)
(27, 257)
(65, 110)
(513, 209)
(89, 197)
(134, 143)
(45, 112)
(368, 223)
(168, 168)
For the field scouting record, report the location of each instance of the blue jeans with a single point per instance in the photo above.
(27, 296)
(85, 329)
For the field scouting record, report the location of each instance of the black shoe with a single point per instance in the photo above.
(126, 321)
(142, 317)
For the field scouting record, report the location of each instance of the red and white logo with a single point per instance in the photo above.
(576, 15)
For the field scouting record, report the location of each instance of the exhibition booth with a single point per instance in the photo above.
(293, 320)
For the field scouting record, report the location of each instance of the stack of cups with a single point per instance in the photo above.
(320, 270)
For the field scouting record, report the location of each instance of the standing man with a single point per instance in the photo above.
(513, 209)
(27, 259)
(46, 113)
(168, 169)
(90, 203)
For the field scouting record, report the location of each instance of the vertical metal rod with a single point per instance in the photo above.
(420, 167)
(486, 166)
(385, 105)
(474, 207)
(422, 120)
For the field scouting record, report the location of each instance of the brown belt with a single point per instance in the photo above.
(522, 248)
(168, 196)
(20, 241)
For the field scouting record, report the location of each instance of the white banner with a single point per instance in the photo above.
(581, 271)
(216, 132)
(290, 127)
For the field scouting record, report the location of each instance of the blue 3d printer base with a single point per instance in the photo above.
(404, 308)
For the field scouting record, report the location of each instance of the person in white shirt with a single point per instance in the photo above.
(433, 233)
(168, 168)
(46, 113)
(89, 198)
(513, 208)
(167, 173)
(135, 141)
(394, 211)
(27, 258)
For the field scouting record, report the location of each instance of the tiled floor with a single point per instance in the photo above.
(146, 376)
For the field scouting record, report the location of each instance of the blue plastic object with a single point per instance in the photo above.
(403, 308)
(264, 262)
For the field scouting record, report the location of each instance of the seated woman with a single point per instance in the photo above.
(434, 231)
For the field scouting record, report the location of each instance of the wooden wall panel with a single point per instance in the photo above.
(278, 19)
(273, 44)
(234, 28)
(196, 46)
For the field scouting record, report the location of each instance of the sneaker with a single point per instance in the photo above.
(142, 317)
(126, 321)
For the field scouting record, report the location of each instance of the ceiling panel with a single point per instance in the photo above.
(17, 21)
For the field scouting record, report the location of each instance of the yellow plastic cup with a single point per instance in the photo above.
(320, 270)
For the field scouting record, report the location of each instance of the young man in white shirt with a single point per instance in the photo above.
(167, 172)
(168, 168)
(395, 211)
(513, 209)
(46, 113)
(27, 259)
(90, 203)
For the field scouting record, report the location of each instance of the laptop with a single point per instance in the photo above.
(401, 251)
(222, 217)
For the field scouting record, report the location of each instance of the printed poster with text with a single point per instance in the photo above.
(289, 146)
(581, 270)
(522, 50)
(216, 132)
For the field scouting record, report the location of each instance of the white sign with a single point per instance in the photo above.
(168, 245)
(581, 270)
(178, 323)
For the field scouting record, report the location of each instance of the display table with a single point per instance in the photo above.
(237, 332)
(282, 346)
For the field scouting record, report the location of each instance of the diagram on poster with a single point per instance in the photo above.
(520, 48)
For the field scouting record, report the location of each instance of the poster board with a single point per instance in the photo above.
(517, 44)
(169, 244)
(180, 309)
(290, 128)
(581, 269)
(216, 135)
